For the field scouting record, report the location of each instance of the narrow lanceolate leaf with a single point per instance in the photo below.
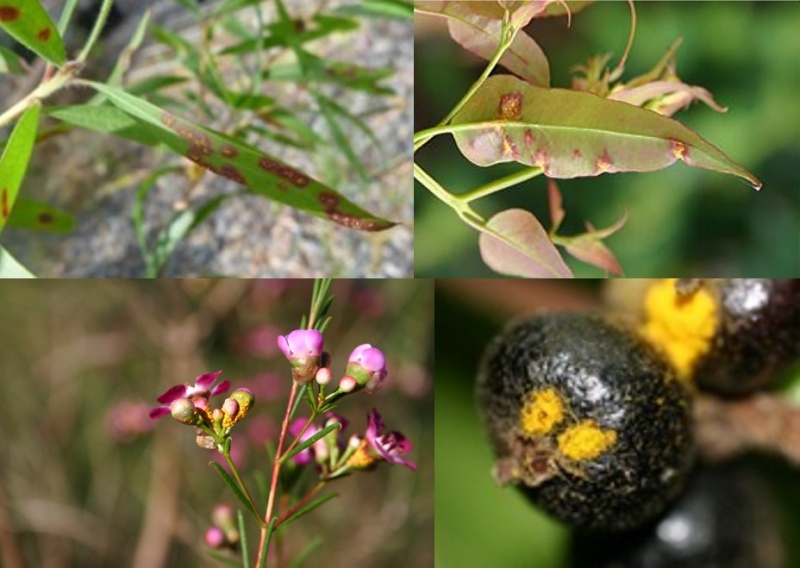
(14, 160)
(575, 134)
(515, 243)
(10, 268)
(28, 23)
(30, 214)
(243, 164)
(477, 27)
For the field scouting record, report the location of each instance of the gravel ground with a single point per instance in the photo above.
(95, 178)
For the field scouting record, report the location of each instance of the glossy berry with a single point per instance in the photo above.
(586, 419)
(731, 336)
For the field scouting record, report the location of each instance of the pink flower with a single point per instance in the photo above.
(301, 343)
(200, 388)
(387, 447)
(367, 365)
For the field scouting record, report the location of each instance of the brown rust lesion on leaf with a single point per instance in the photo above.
(680, 151)
(293, 176)
(44, 34)
(228, 151)
(510, 106)
(330, 201)
(9, 14)
(45, 218)
(4, 208)
(604, 162)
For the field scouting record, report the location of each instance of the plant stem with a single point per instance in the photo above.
(276, 470)
(300, 503)
(500, 184)
(238, 479)
(44, 90)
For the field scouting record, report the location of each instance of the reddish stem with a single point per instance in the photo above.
(299, 504)
(276, 470)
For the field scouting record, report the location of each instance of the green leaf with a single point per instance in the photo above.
(237, 161)
(310, 507)
(298, 560)
(28, 23)
(576, 134)
(236, 491)
(310, 441)
(30, 214)
(151, 261)
(513, 242)
(267, 540)
(398, 9)
(10, 268)
(243, 535)
(10, 62)
(15, 158)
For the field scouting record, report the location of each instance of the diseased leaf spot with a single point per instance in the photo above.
(8, 13)
(293, 176)
(510, 147)
(4, 207)
(330, 201)
(576, 153)
(46, 218)
(679, 150)
(510, 106)
(230, 172)
(604, 162)
(168, 120)
(44, 34)
(228, 151)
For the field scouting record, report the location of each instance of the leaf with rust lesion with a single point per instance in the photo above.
(573, 134)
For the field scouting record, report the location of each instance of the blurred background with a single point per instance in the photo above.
(681, 221)
(88, 480)
(749, 508)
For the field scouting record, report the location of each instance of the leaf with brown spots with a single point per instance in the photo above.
(576, 134)
(28, 23)
(30, 214)
(238, 161)
(15, 158)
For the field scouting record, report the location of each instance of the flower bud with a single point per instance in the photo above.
(324, 376)
(347, 383)
(303, 349)
(245, 399)
(368, 366)
(215, 538)
(183, 410)
(230, 407)
(223, 515)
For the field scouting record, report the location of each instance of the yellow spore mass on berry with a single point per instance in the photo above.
(585, 441)
(542, 412)
(682, 326)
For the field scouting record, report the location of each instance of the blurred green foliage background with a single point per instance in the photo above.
(682, 221)
(478, 523)
(87, 480)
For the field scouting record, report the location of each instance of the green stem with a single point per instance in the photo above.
(238, 479)
(507, 35)
(461, 208)
(55, 83)
(500, 184)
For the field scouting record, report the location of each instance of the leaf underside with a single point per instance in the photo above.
(573, 134)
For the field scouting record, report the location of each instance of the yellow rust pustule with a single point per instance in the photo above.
(542, 411)
(680, 324)
(585, 441)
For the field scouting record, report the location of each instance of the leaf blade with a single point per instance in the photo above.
(15, 158)
(576, 134)
(28, 23)
(240, 162)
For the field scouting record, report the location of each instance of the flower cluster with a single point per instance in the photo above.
(189, 404)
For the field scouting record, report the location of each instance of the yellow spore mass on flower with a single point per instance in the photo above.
(682, 326)
(585, 441)
(541, 412)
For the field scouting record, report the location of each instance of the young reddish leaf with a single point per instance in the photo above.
(477, 26)
(515, 243)
(592, 251)
(575, 134)
(28, 23)
(15, 158)
(30, 214)
(239, 162)
(556, 208)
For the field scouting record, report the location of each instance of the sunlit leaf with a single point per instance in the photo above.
(10, 268)
(575, 134)
(515, 243)
(28, 23)
(30, 214)
(15, 158)
(239, 162)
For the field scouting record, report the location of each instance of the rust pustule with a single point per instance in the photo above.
(44, 34)
(45, 218)
(293, 176)
(8, 13)
(510, 106)
(228, 151)
(4, 208)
